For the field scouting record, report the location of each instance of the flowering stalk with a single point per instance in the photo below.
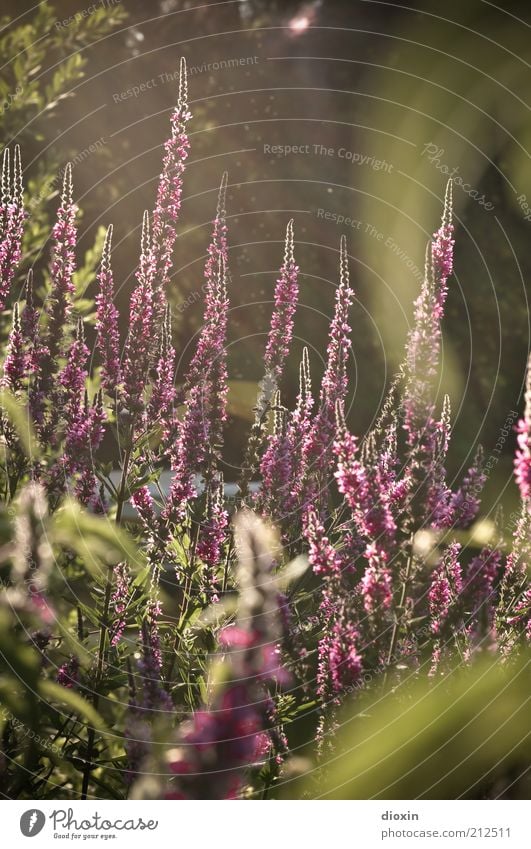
(209, 363)
(62, 267)
(230, 735)
(424, 342)
(213, 535)
(195, 431)
(277, 349)
(169, 198)
(318, 449)
(522, 462)
(12, 217)
(107, 332)
(445, 589)
(286, 296)
(15, 363)
(139, 337)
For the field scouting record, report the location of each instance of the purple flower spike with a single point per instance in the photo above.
(139, 338)
(445, 588)
(29, 320)
(169, 197)
(63, 264)
(15, 363)
(286, 296)
(67, 674)
(12, 217)
(424, 341)
(163, 390)
(108, 334)
(522, 463)
(119, 600)
(318, 452)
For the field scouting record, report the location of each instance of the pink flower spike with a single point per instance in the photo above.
(108, 334)
(286, 296)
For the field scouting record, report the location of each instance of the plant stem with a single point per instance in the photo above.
(104, 629)
(400, 612)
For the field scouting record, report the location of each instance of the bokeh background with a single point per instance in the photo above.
(382, 101)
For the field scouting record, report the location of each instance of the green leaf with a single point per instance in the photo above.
(19, 417)
(95, 539)
(440, 738)
(51, 690)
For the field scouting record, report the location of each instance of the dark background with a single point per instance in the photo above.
(382, 80)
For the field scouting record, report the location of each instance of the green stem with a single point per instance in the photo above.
(104, 630)
(400, 612)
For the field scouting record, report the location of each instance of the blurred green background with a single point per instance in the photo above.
(382, 102)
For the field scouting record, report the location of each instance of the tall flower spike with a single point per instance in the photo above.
(5, 197)
(465, 503)
(228, 736)
(522, 462)
(139, 338)
(212, 535)
(286, 296)
(62, 267)
(12, 218)
(163, 390)
(216, 304)
(199, 430)
(445, 588)
(108, 334)
(169, 198)
(318, 451)
(424, 340)
(29, 320)
(16, 360)
(74, 374)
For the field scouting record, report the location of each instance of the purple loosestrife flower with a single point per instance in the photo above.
(424, 341)
(155, 697)
(318, 449)
(143, 501)
(12, 217)
(324, 559)
(62, 267)
(107, 332)
(370, 486)
(163, 390)
(515, 579)
(67, 674)
(74, 375)
(169, 197)
(522, 615)
(119, 601)
(29, 320)
(276, 467)
(286, 296)
(282, 464)
(464, 504)
(213, 535)
(222, 740)
(15, 363)
(481, 579)
(139, 337)
(522, 463)
(377, 582)
(433, 487)
(209, 363)
(344, 660)
(446, 586)
(339, 664)
(196, 429)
